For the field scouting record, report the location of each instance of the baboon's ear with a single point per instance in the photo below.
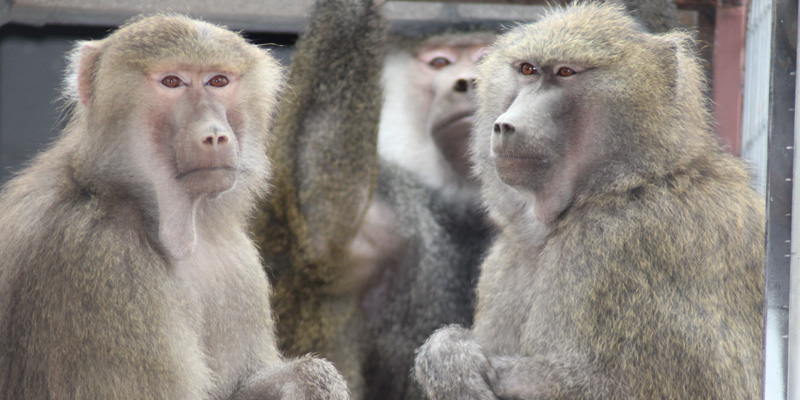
(87, 59)
(668, 58)
(681, 47)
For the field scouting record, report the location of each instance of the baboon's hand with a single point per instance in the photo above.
(304, 378)
(451, 365)
(315, 379)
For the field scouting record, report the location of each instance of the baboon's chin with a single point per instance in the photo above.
(210, 181)
(522, 172)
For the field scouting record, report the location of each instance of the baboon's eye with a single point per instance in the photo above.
(172, 81)
(565, 71)
(527, 69)
(218, 81)
(439, 62)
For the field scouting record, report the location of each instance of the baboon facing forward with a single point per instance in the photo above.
(126, 271)
(629, 263)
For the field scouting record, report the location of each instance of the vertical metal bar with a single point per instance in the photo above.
(755, 114)
(779, 201)
(793, 356)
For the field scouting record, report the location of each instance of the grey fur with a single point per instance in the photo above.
(629, 263)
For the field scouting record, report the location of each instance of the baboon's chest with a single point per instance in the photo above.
(225, 293)
(523, 296)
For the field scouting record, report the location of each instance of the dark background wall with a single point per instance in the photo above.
(31, 67)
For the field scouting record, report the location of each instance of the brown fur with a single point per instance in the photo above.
(325, 157)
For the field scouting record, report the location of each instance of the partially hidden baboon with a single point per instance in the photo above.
(126, 270)
(629, 259)
(429, 203)
(371, 260)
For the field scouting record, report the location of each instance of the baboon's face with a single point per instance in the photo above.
(183, 108)
(191, 121)
(568, 106)
(539, 134)
(448, 76)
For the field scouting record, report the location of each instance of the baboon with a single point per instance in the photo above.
(372, 260)
(430, 203)
(356, 228)
(629, 259)
(126, 270)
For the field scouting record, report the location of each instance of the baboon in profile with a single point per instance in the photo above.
(629, 261)
(126, 270)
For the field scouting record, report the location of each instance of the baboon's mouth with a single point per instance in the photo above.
(209, 170)
(517, 155)
(465, 118)
(508, 161)
(209, 181)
